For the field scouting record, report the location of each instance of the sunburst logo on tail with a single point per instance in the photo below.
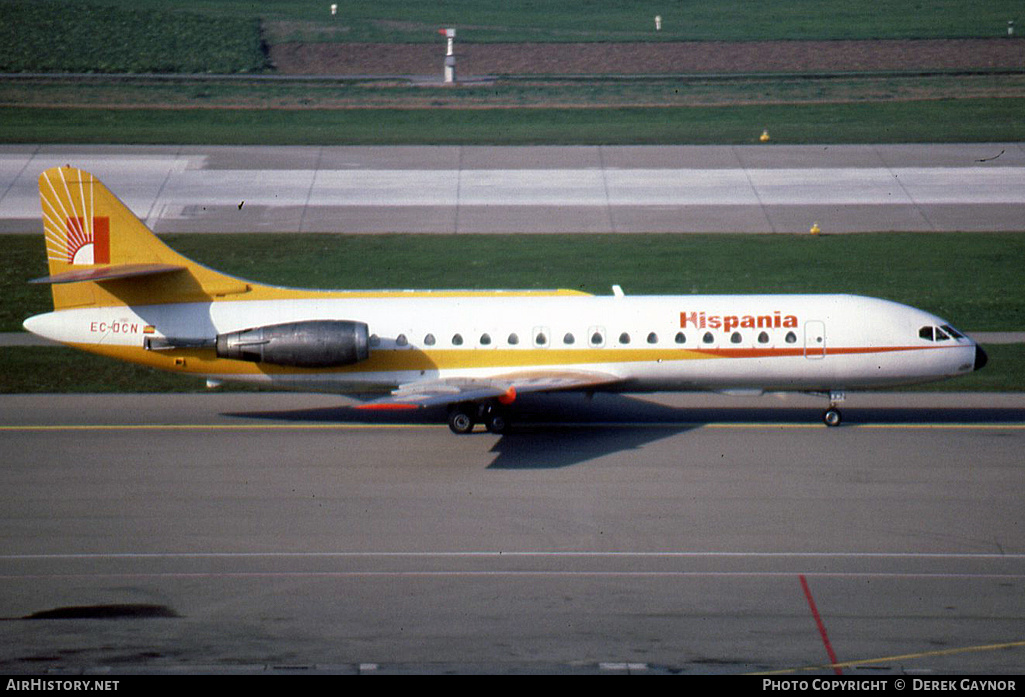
(88, 241)
(73, 234)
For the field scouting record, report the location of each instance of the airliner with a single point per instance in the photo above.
(119, 291)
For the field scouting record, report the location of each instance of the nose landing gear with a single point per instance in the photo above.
(832, 415)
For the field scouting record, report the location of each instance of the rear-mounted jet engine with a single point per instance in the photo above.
(310, 344)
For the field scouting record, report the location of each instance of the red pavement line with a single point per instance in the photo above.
(822, 627)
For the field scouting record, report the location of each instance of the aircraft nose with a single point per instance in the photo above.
(981, 359)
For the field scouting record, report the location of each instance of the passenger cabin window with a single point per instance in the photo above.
(680, 338)
(540, 339)
(652, 338)
(375, 340)
(597, 339)
(429, 340)
(735, 338)
(457, 340)
(568, 339)
(485, 339)
(763, 338)
(513, 339)
(708, 338)
(401, 340)
(790, 338)
(624, 338)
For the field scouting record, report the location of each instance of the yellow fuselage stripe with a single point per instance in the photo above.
(393, 360)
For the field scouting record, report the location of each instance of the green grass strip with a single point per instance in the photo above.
(51, 36)
(973, 280)
(968, 120)
(591, 20)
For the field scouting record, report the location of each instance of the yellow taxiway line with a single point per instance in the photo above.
(902, 657)
(365, 426)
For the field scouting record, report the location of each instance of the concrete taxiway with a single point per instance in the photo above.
(675, 533)
(476, 189)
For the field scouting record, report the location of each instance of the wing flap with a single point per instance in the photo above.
(505, 388)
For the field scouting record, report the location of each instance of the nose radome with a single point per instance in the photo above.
(981, 359)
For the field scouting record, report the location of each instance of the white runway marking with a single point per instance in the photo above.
(583, 563)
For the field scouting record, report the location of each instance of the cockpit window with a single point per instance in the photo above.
(943, 333)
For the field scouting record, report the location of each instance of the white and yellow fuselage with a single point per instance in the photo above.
(649, 343)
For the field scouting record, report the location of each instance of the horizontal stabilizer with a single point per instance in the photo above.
(108, 273)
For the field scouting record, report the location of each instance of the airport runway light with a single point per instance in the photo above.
(334, 10)
(658, 22)
(764, 137)
(450, 56)
(1010, 27)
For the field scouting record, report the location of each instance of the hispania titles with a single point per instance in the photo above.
(700, 320)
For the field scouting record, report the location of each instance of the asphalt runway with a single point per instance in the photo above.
(479, 189)
(280, 533)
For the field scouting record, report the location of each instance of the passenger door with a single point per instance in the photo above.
(814, 339)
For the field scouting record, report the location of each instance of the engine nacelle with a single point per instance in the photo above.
(309, 344)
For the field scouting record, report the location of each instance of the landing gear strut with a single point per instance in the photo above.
(832, 415)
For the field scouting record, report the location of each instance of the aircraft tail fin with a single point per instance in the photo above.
(100, 253)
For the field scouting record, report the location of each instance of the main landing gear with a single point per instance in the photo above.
(463, 417)
(832, 415)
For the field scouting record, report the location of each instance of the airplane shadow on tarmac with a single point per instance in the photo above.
(558, 430)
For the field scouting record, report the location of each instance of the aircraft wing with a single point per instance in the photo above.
(505, 388)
